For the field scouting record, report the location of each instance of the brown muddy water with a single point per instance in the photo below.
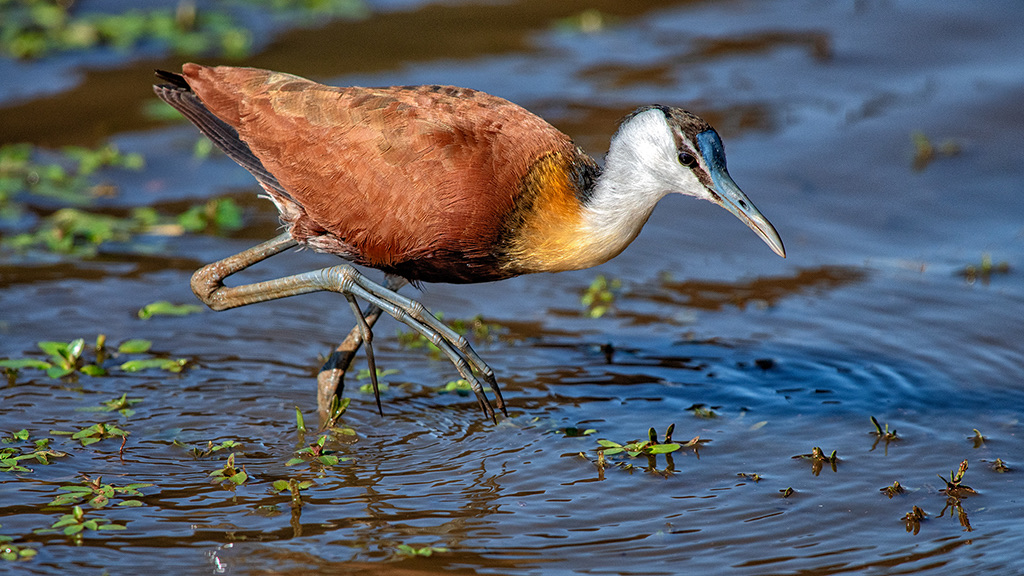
(870, 315)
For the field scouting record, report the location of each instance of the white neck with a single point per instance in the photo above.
(629, 187)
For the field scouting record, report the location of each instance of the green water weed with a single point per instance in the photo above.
(599, 297)
(121, 405)
(978, 439)
(316, 454)
(819, 459)
(96, 494)
(893, 489)
(925, 152)
(475, 327)
(984, 270)
(954, 485)
(651, 446)
(37, 28)
(229, 475)
(334, 413)
(702, 411)
(75, 524)
(95, 433)
(219, 216)
(13, 457)
(210, 449)
(408, 550)
(165, 308)
(12, 552)
(913, 520)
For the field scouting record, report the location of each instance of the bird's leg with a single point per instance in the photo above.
(331, 378)
(367, 335)
(208, 281)
(208, 285)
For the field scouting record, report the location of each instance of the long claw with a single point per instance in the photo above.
(367, 334)
(493, 383)
(414, 315)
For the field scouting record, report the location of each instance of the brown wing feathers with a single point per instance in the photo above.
(417, 181)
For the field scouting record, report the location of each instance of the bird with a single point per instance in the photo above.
(437, 184)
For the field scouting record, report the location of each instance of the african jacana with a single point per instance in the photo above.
(437, 184)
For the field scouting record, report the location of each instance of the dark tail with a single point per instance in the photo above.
(181, 97)
(176, 79)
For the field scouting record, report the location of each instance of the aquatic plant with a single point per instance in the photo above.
(95, 433)
(893, 489)
(819, 459)
(219, 215)
(954, 485)
(210, 449)
(229, 475)
(884, 434)
(121, 405)
(913, 520)
(76, 524)
(334, 413)
(67, 359)
(295, 487)
(13, 458)
(165, 308)
(36, 28)
(700, 411)
(316, 454)
(925, 152)
(1000, 466)
(984, 270)
(65, 175)
(12, 552)
(650, 446)
(600, 295)
(475, 327)
(408, 550)
(97, 495)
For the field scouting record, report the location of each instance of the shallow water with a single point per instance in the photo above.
(870, 315)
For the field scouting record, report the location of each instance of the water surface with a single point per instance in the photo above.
(870, 315)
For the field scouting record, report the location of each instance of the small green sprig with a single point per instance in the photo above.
(230, 475)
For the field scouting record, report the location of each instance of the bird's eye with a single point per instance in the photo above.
(687, 159)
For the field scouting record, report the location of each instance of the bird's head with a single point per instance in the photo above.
(672, 150)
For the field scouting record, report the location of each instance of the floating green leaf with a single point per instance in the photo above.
(95, 433)
(168, 364)
(461, 387)
(134, 346)
(165, 308)
(19, 363)
(11, 552)
(422, 551)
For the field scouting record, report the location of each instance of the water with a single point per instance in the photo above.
(870, 315)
